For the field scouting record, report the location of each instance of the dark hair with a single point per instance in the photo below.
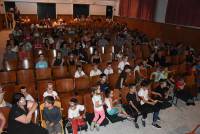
(74, 100)
(16, 98)
(102, 75)
(127, 67)
(49, 99)
(107, 93)
(145, 83)
(22, 87)
(131, 85)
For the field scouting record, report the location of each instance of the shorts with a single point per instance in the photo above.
(56, 128)
(113, 111)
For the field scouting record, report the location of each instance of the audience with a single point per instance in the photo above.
(58, 60)
(72, 43)
(42, 63)
(50, 92)
(147, 103)
(95, 71)
(52, 116)
(113, 106)
(20, 116)
(74, 115)
(123, 63)
(79, 72)
(98, 108)
(108, 70)
(134, 107)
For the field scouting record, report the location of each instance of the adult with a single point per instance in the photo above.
(19, 121)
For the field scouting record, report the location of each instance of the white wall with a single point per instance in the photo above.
(64, 8)
(160, 13)
(97, 7)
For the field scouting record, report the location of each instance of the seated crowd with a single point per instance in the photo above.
(144, 69)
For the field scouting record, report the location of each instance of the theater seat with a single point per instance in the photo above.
(8, 77)
(82, 84)
(25, 76)
(43, 74)
(64, 85)
(60, 72)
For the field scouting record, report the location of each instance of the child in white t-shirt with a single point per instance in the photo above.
(98, 108)
(74, 115)
(51, 92)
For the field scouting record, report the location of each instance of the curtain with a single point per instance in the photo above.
(124, 8)
(184, 12)
(146, 9)
(142, 9)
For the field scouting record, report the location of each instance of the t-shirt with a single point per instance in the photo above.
(97, 98)
(121, 66)
(158, 76)
(108, 71)
(41, 65)
(29, 98)
(52, 115)
(76, 112)
(79, 74)
(132, 98)
(95, 73)
(143, 93)
(54, 94)
(107, 102)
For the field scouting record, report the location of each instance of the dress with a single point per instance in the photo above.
(15, 127)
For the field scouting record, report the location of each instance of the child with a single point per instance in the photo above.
(51, 92)
(133, 107)
(74, 115)
(52, 116)
(112, 107)
(98, 108)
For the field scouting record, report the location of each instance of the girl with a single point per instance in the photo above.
(98, 108)
(74, 115)
(112, 107)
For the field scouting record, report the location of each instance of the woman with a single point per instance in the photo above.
(19, 121)
(58, 60)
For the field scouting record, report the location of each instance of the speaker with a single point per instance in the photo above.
(109, 12)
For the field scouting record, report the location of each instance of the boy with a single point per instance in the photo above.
(52, 116)
(51, 92)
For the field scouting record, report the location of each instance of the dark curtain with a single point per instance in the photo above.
(146, 9)
(142, 9)
(184, 12)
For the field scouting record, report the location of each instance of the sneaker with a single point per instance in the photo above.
(136, 125)
(97, 127)
(143, 123)
(92, 126)
(156, 125)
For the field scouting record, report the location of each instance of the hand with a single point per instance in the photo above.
(160, 95)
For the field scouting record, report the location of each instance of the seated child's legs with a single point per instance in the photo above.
(102, 117)
(113, 111)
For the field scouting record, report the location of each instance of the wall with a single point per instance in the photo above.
(166, 32)
(97, 7)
